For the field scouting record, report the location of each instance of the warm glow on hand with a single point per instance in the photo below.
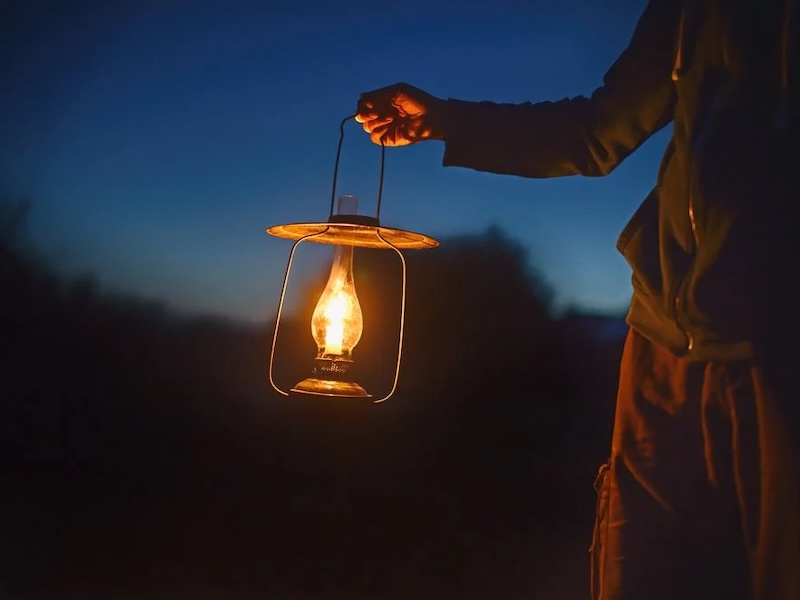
(401, 114)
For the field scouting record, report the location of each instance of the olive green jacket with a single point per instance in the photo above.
(715, 248)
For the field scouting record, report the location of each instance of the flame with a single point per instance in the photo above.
(337, 322)
(335, 314)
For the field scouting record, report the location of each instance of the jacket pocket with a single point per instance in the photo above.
(644, 217)
(639, 245)
(599, 547)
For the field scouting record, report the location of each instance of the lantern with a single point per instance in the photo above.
(337, 321)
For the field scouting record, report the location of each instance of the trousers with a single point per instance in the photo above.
(701, 495)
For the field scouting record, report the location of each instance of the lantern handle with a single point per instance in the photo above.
(336, 169)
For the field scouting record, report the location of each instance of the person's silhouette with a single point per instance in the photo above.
(701, 495)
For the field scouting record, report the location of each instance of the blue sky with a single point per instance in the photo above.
(157, 139)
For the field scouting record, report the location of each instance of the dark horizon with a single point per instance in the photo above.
(158, 141)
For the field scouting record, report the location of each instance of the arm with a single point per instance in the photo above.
(587, 136)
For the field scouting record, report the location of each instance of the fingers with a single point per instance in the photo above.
(391, 134)
(378, 103)
(365, 111)
(377, 123)
(369, 111)
(389, 115)
(388, 137)
(388, 131)
(377, 137)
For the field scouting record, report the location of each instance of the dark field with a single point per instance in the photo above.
(144, 454)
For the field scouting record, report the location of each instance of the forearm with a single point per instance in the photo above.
(530, 140)
(548, 139)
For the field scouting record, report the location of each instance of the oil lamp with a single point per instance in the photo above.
(337, 322)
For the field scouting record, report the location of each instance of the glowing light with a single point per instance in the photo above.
(337, 323)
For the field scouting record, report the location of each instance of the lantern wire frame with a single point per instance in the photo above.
(386, 244)
(356, 230)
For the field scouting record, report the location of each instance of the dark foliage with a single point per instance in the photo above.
(145, 456)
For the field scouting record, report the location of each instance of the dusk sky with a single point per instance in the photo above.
(157, 139)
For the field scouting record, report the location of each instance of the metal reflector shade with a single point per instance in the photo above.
(361, 235)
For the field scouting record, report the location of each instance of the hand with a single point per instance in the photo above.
(401, 114)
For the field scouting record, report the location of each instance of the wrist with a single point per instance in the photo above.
(436, 120)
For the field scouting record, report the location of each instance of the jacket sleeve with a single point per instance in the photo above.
(586, 136)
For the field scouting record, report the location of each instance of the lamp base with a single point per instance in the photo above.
(328, 378)
(330, 387)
